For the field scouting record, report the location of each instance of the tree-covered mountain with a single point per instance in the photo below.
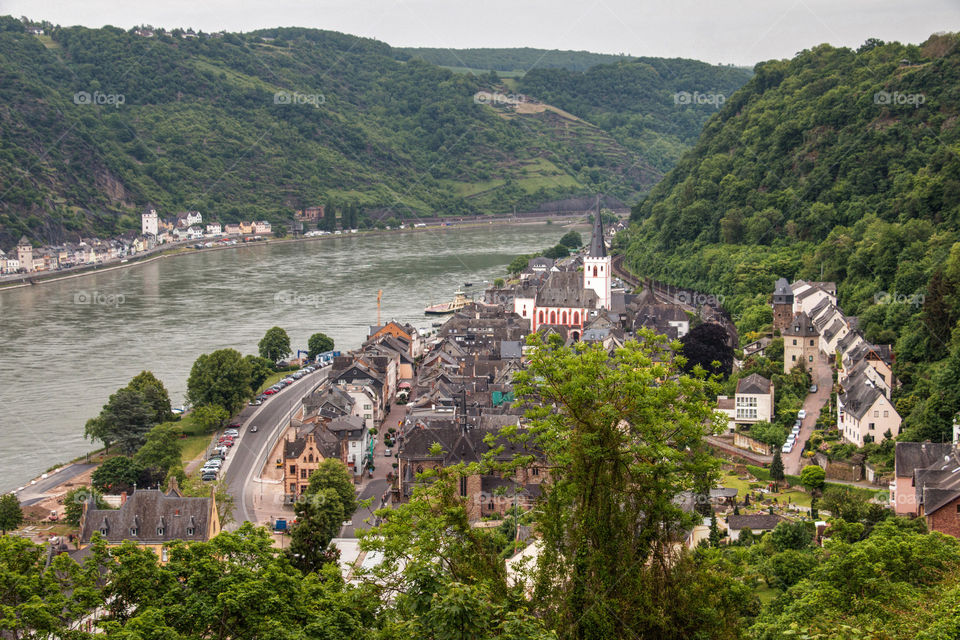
(512, 61)
(97, 123)
(836, 165)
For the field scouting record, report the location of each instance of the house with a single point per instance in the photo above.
(807, 295)
(356, 444)
(310, 214)
(232, 229)
(801, 343)
(261, 226)
(194, 233)
(404, 331)
(151, 518)
(927, 484)
(246, 228)
(214, 229)
(149, 222)
(35, 31)
(757, 524)
(188, 219)
(302, 456)
(757, 347)
(864, 413)
(752, 403)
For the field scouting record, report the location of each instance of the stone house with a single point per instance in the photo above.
(800, 343)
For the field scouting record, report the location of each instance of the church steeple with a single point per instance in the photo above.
(597, 248)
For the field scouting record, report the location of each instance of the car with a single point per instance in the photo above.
(796, 429)
(297, 375)
(813, 388)
(231, 432)
(787, 448)
(288, 380)
(256, 402)
(228, 443)
(269, 392)
(253, 429)
(208, 477)
(310, 369)
(802, 414)
(387, 452)
(235, 425)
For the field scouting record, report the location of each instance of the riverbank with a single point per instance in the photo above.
(188, 248)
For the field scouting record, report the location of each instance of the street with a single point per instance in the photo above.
(814, 402)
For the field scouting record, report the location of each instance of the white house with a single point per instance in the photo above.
(864, 413)
(188, 219)
(752, 403)
(214, 229)
(261, 227)
(194, 233)
(807, 295)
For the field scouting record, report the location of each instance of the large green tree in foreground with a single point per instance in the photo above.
(275, 344)
(221, 378)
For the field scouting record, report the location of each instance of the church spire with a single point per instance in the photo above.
(597, 248)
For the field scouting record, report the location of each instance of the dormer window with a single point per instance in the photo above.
(103, 532)
(159, 531)
(190, 531)
(134, 531)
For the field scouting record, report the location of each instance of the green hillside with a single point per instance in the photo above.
(655, 106)
(513, 61)
(837, 165)
(257, 125)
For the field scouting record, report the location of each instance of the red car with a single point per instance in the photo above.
(235, 425)
(269, 392)
(228, 443)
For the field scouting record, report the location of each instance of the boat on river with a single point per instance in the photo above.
(459, 302)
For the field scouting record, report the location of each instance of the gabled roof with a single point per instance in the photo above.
(754, 384)
(565, 289)
(860, 393)
(155, 516)
(910, 456)
(801, 326)
(763, 521)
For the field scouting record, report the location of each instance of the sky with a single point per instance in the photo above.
(740, 32)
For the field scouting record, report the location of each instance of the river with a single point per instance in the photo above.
(67, 345)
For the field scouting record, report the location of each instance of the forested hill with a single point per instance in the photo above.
(514, 61)
(656, 106)
(97, 123)
(836, 165)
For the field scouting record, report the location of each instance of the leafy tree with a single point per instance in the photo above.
(117, 474)
(787, 568)
(572, 240)
(792, 535)
(74, 500)
(154, 393)
(845, 503)
(260, 370)
(813, 477)
(209, 417)
(161, 451)
(557, 252)
(220, 378)
(279, 230)
(328, 500)
(127, 417)
(498, 283)
(519, 263)
(11, 516)
(318, 343)
(275, 345)
(97, 429)
(776, 468)
(705, 344)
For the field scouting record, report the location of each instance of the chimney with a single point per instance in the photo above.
(123, 498)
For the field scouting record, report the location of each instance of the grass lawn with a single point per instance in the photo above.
(795, 496)
(273, 379)
(196, 441)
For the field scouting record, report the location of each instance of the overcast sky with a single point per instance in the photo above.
(723, 31)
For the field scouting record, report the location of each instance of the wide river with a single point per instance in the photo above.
(67, 345)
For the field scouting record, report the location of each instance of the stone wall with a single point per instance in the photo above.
(946, 519)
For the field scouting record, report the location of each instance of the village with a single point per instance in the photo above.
(409, 400)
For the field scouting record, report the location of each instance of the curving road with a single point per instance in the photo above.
(250, 452)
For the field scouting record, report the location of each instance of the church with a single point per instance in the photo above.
(570, 298)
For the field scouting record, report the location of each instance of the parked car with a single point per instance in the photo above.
(802, 414)
(228, 443)
(235, 425)
(796, 429)
(787, 448)
(387, 452)
(270, 392)
(231, 432)
(256, 402)
(297, 375)
(813, 388)
(253, 429)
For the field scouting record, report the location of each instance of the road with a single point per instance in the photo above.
(37, 491)
(251, 450)
(814, 402)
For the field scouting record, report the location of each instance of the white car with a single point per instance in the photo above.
(787, 448)
(802, 414)
(795, 430)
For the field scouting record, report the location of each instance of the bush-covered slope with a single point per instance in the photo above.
(837, 165)
(517, 60)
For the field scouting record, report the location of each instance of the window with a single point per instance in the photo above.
(134, 531)
(810, 358)
(594, 271)
(576, 317)
(886, 414)
(367, 407)
(794, 342)
(535, 471)
(293, 487)
(103, 532)
(876, 413)
(871, 425)
(463, 487)
(564, 318)
(293, 469)
(368, 416)
(958, 508)
(303, 473)
(191, 531)
(164, 554)
(794, 358)
(811, 342)
(310, 458)
(159, 531)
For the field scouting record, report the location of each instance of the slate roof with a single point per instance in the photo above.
(148, 510)
(510, 349)
(909, 456)
(801, 326)
(597, 248)
(565, 289)
(859, 395)
(782, 292)
(327, 444)
(762, 521)
(351, 426)
(753, 383)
